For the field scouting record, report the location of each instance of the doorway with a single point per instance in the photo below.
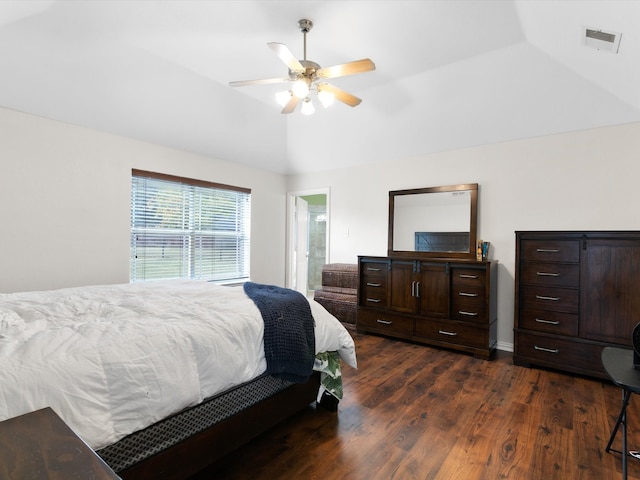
(307, 239)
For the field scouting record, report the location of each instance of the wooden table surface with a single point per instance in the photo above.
(39, 445)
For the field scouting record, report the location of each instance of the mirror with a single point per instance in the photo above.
(434, 222)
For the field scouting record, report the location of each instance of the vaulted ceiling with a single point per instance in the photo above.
(450, 74)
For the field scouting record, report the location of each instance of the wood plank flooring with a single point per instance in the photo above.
(415, 412)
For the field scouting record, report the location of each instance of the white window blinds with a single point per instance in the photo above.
(183, 228)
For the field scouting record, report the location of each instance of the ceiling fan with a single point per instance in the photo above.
(305, 76)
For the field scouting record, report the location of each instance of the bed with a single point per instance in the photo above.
(160, 378)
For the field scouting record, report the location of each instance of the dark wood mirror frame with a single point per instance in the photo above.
(470, 254)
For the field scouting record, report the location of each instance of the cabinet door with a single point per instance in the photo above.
(610, 303)
(433, 289)
(402, 284)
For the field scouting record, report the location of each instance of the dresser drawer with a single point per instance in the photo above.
(374, 279)
(559, 353)
(559, 323)
(468, 276)
(550, 251)
(549, 298)
(374, 283)
(374, 295)
(373, 270)
(385, 323)
(469, 312)
(468, 293)
(552, 274)
(452, 332)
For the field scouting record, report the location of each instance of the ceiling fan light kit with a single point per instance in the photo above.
(305, 76)
(307, 107)
(326, 97)
(283, 97)
(300, 89)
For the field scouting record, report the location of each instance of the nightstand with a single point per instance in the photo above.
(39, 445)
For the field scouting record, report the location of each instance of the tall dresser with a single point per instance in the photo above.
(441, 302)
(575, 293)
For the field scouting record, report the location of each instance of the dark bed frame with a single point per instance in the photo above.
(196, 453)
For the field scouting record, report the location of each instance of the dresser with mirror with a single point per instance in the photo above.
(430, 287)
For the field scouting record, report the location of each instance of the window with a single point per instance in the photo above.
(183, 228)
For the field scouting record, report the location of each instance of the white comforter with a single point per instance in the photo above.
(111, 360)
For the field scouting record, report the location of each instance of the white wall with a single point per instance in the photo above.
(586, 180)
(64, 199)
(64, 203)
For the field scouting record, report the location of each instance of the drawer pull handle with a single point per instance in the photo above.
(470, 314)
(462, 275)
(548, 350)
(550, 322)
(371, 269)
(548, 250)
(547, 274)
(373, 284)
(384, 322)
(542, 297)
(465, 294)
(374, 300)
(444, 332)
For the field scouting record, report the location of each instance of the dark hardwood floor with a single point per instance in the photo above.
(415, 412)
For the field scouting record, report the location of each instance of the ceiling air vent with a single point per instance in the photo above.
(601, 40)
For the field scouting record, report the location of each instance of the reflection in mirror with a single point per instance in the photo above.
(432, 222)
(436, 221)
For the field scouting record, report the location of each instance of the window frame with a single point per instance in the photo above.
(187, 239)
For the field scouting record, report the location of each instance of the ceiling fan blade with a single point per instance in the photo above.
(351, 68)
(291, 105)
(286, 56)
(340, 94)
(265, 81)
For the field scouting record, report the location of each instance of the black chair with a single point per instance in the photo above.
(619, 365)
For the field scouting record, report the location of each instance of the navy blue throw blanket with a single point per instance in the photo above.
(289, 336)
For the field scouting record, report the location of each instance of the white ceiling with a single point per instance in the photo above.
(450, 74)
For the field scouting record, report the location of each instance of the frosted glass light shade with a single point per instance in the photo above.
(283, 97)
(326, 98)
(307, 107)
